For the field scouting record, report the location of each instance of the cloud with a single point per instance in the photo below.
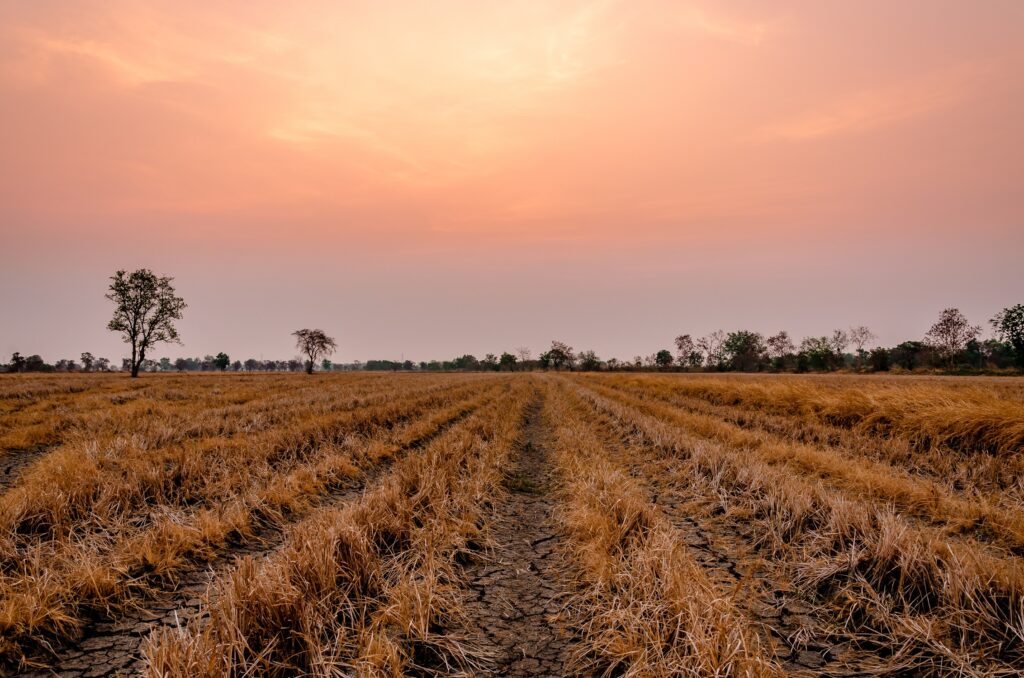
(890, 104)
(722, 27)
(134, 69)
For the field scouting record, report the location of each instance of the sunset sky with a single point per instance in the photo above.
(436, 178)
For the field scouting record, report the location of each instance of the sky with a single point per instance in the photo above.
(423, 180)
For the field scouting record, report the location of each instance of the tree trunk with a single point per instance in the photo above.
(135, 364)
(309, 366)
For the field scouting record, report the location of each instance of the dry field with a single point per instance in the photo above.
(511, 524)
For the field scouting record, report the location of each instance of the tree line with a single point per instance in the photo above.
(146, 307)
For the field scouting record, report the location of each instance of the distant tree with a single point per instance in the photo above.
(859, 337)
(507, 361)
(65, 365)
(489, 363)
(1000, 354)
(34, 363)
(744, 351)
(525, 356)
(780, 348)
(589, 362)
(222, 361)
(87, 361)
(251, 365)
(684, 348)
(165, 365)
(950, 334)
(102, 365)
(295, 365)
(18, 362)
(712, 348)
(314, 344)
(909, 354)
(839, 341)
(466, 362)
(612, 364)
(145, 308)
(663, 359)
(686, 352)
(973, 355)
(1009, 326)
(560, 355)
(326, 365)
(819, 353)
(879, 360)
(181, 364)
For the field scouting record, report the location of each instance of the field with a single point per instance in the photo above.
(511, 524)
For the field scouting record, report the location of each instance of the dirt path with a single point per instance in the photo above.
(520, 592)
(14, 462)
(112, 648)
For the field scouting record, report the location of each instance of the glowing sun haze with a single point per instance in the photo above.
(463, 176)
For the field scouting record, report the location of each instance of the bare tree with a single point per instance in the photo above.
(686, 349)
(525, 356)
(951, 333)
(859, 337)
(145, 308)
(315, 344)
(839, 341)
(712, 347)
(779, 345)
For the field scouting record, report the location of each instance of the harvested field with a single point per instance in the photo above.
(511, 524)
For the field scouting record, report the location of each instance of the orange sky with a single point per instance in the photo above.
(436, 178)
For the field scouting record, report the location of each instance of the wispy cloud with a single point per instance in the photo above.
(722, 27)
(132, 68)
(879, 107)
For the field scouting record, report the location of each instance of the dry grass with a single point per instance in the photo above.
(885, 575)
(95, 524)
(646, 606)
(891, 507)
(878, 481)
(361, 589)
(969, 418)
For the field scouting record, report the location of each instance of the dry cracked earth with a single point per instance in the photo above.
(520, 592)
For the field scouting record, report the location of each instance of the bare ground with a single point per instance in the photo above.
(519, 593)
(14, 462)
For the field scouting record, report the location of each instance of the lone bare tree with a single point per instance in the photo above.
(525, 356)
(315, 344)
(145, 308)
(859, 337)
(951, 333)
